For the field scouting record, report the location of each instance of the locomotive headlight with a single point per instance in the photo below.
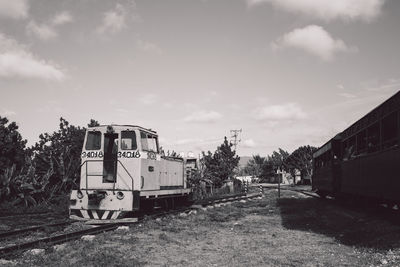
(120, 195)
(79, 194)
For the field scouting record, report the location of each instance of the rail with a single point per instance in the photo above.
(13, 249)
(86, 162)
(9, 250)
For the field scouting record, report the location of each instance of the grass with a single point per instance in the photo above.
(292, 231)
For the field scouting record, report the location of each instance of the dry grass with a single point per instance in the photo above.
(294, 231)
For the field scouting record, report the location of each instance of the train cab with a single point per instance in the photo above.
(121, 166)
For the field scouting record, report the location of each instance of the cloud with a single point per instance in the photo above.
(115, 20)
(326, 10)
(284, 112)
(6, 112)
(347, 95)
(148, 47)
(15, 9)
(314, 40)
(195, 141)
(203, 117)
(17, 61)
(47, 31)
(42, 31)
(187, 141)
(148, 99)
(62, 18)
(248, 143)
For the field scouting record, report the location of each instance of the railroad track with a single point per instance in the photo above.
(65, 237)
(372, 209)
(52, 240)
(9, 234)
(13, 216)
(305, 192)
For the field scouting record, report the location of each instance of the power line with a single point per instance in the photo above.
(235, 134)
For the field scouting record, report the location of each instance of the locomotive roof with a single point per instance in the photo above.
(125, 125)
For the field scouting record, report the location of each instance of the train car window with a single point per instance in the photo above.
(349, 149)
(128, 140)
(93, 140)
(389, 131)
(143, 141)
(373, 138)
(362, 142)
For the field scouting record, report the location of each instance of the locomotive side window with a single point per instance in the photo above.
(128, 140)
(152, 143)
(149, 142)
(389, 131)
(93, 141)
(143, 141)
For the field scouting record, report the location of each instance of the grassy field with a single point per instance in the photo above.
(295, 230)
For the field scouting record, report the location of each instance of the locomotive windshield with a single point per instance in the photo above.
(128, 140)
(93, 141)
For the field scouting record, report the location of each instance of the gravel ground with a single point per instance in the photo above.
(295, 230)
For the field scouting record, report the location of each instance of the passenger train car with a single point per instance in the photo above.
(122, 171)
(364, 159)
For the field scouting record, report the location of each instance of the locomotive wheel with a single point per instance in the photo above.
(147, 205)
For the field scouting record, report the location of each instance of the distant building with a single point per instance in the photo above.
(287, 178)
(247, 179)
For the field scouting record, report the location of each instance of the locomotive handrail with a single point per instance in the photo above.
(130, 176)
(115, 172)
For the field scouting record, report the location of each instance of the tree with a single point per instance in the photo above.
(35, 174)
(270, 164)
(300, 159)
(93, 123)
(220, 165)
(254, 166)
(267, 170)
(60, 152)
(12, 146)
(278, 159)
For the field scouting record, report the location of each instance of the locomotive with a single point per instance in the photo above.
(364, 159)
(122, 171)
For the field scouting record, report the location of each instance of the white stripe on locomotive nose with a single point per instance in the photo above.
(85, 214)
(94, 213)
(105, 214)
(115, 214)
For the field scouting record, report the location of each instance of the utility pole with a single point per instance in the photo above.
(235, 134)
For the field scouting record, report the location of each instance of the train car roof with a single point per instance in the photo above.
(340, 135)
(384, 103)
(126, 125)
(325, 147)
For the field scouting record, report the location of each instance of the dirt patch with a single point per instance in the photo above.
(293, 231)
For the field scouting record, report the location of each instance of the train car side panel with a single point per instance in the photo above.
(322, 179)
(172, 175)
(150, 173)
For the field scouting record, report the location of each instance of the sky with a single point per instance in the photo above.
(287, 72)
